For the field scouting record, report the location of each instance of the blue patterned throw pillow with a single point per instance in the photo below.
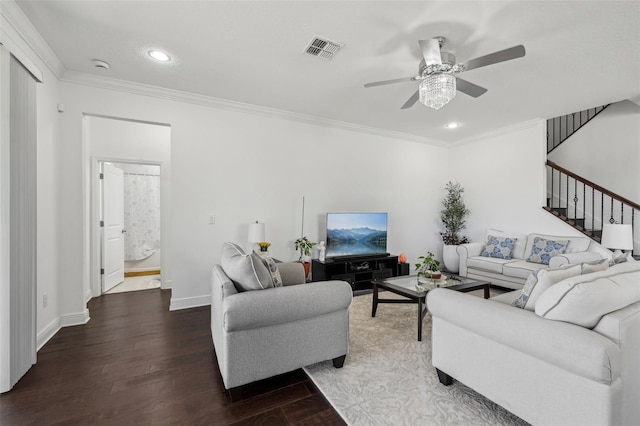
(543, 250)
(499, 247)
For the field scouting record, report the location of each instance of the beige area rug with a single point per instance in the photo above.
(388, 379)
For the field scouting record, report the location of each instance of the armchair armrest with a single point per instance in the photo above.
(466, 251)
(273, 306)
(573, 258)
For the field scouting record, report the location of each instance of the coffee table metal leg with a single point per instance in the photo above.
(487, 291)
(420, 315)
(374, 306)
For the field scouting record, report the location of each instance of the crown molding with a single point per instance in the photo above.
(501, 131)
(25, 36)
(86, 79)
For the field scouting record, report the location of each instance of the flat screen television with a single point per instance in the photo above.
(354, 234)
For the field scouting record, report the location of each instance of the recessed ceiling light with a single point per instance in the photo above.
(159, 55)
(453, 125)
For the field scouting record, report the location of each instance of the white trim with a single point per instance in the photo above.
(213, 102)
(189, 302)
(165, 284)
(47, 333)
(87, 295)
(5, 252)
(24, 35)
(75, 319)
(501, 131)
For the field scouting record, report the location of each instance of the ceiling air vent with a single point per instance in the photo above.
(323, 48)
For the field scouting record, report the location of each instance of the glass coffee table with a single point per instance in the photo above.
(416, 292)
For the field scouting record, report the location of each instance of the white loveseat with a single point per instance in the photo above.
(541, 365)
(512, 273)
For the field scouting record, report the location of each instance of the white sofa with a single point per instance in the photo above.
(513, 273)
(548, 372)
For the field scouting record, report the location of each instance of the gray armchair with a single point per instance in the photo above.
(263, 333)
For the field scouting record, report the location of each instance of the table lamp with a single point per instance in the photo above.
(617, 236)
(256, 232)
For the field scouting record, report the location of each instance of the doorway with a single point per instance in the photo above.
(131, 231)
(127, 143)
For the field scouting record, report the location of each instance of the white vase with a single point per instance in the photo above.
(450, 258)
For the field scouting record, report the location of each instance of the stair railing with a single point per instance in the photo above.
(586, 205)
(560, 128)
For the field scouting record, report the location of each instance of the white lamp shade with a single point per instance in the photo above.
(617, 236)
(256, 232)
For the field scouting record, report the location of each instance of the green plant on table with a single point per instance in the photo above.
(427, 265)
(304, 245)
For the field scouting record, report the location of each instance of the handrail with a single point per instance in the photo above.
(593, 185)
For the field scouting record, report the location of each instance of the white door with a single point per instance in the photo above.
(113, 230)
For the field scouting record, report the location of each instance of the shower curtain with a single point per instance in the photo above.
(141, 215)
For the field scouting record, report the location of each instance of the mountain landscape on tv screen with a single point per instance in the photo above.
(356, 241)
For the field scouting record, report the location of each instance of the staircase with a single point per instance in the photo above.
(583, 204)
(559, 129)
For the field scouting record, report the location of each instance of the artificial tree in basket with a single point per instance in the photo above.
(453, 217)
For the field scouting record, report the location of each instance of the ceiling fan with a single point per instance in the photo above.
(436, 73)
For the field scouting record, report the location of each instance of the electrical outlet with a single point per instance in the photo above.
(212, 219)
(45, 300)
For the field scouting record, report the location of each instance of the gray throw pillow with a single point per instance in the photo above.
(247, 271)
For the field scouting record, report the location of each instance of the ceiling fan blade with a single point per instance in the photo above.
(412, 100)
(494, 58)
(469, 88)
(431, 51)
(397, 80)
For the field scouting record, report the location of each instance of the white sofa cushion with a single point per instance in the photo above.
(539, 281)
(491, 264)
(585, 299)
(521, 268)
(519, 246)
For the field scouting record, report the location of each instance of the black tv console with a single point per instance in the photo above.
(357, 271)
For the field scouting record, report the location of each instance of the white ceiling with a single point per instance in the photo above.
(580, 54)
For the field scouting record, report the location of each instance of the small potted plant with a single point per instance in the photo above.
(264, 246)
(304, 245)
(429, 267)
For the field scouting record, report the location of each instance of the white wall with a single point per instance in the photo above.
(607, 150)
(111, 139)
(504, 180)
(244, 167)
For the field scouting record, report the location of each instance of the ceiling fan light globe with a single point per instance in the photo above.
(437, 90)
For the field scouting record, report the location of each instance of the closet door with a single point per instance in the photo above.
(18, 251)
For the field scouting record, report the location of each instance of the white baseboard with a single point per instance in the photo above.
(49, 331)
(166, 284)
(189, 302)
(75, 319)
(88, 294)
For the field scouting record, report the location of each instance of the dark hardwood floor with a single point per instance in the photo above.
(137, 363)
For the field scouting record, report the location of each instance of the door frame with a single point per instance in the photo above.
(96, 231)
